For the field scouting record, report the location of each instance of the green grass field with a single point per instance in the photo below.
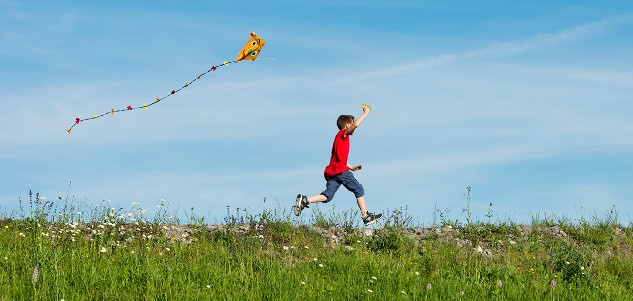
(116, 254)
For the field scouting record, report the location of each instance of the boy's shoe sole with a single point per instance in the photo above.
(297, 207)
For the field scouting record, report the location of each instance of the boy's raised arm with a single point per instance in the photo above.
(358, 120)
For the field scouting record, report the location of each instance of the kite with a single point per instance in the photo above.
(250, 52)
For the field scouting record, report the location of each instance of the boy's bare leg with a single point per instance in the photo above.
(361, 205)
(317, 198)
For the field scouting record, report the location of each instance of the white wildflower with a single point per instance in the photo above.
(103, 250)
(35, 275)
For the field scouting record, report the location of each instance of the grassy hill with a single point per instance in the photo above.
(115, 254)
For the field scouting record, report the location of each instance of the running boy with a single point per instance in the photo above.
(339, 171)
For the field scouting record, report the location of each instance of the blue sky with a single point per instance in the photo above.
(528, 103)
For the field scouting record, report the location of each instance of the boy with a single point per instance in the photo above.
(338, 172)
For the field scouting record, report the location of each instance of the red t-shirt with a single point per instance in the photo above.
(340, 152)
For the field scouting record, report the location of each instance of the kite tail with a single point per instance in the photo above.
(146, 105)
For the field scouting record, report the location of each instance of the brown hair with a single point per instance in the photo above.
(343, 120)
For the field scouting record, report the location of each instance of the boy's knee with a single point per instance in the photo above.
(327, 198)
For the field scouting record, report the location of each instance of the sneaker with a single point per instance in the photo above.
(371, 218)
(302, 202)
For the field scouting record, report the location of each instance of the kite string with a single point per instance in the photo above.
(158, 99)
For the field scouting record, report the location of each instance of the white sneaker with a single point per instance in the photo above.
(301, 202)
(371, 218)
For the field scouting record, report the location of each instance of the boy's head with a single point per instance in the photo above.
(344, 120)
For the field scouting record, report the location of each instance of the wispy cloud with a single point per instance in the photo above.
(547, 40)
(530, 44)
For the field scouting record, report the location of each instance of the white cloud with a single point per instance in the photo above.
(534, 43)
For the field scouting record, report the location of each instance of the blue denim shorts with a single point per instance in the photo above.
(346, 179)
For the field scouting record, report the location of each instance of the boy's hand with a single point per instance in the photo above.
(366, 108)
(356, 167)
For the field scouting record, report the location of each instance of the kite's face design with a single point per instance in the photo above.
(251, 49)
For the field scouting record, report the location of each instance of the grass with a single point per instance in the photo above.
(116, 254)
